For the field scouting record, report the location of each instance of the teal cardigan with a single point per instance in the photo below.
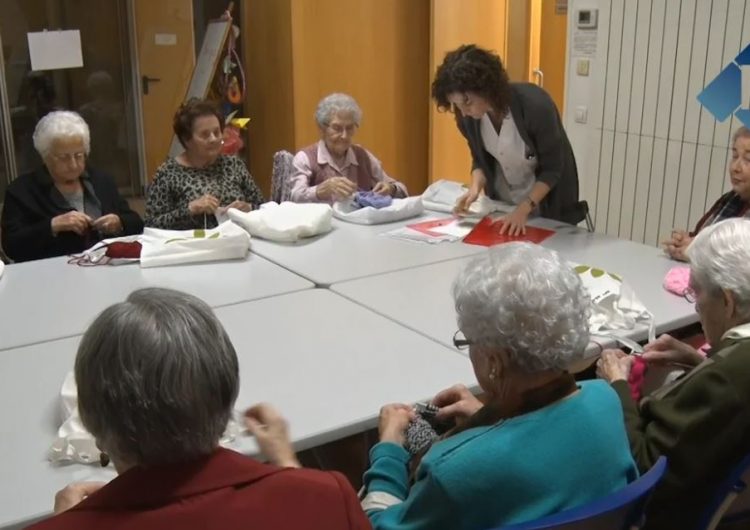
(536, 464)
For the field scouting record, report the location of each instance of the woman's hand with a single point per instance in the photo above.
(456, 403)
(466, 200)
(272, 434)
(394, 419)
(108, 224)
(240, 205)
(72, 221)
(667, 350)
(614, 365)
(677, 244)
(385, 188)
(205, 204)
(74, 493)
(514, 224)
(335, 188)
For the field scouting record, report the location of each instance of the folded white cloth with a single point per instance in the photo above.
(178, 247)
(615, 306)
(398, 210)
(441, 196)
(286, 222)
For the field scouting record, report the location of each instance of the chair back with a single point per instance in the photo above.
(281, 176)
(621, 510)
(731, 503)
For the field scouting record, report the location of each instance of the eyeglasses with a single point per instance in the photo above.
(67, 157)
(460, 341)
(338, 130)
(689, 294)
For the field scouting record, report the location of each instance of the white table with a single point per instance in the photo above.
(328, 364)
(50, 299)
(354, 251)
(421, 300)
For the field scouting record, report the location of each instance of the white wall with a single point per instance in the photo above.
(650, 157)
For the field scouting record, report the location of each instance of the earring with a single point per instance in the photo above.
(492, 375)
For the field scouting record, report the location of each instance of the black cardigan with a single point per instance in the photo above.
(32, 200)
(539, 125)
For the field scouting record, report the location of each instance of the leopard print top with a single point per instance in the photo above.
(175, 186)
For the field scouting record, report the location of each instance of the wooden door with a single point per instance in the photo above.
(166, 57)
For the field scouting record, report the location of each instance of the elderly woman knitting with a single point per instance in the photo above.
(334, 168)
(539, 442)
(157, 380)
(701, 422)
(65, 206)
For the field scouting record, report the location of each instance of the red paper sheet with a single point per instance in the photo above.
(487, 233)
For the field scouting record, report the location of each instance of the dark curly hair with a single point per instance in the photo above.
(191, 110)
(471, 69)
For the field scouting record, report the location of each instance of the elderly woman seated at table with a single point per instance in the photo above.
(701, 422)
(734, 203)
(190, 189)
(334, 168)
(66, 206)
(538, 442)
(157, 380)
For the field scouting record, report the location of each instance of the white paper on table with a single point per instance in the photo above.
(53, 50)
(407, 234)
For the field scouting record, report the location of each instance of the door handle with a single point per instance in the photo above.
(145, 80)
(539, 75)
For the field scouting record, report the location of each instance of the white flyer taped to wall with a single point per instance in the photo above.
(584, 42)
(54, 50)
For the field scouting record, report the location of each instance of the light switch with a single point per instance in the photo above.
(582, 67)
(581, 114)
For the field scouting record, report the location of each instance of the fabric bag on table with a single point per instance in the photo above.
(398, 210)
(177, 247)
(75, 444)
(113, 251)
(287, 222)
(615, 306)
(441, 196)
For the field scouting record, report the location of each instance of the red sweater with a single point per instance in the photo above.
(224, 491)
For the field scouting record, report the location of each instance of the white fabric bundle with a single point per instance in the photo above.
(398, 210)
(441, 196)
(615, 305)
(286, 222)
(178, 247)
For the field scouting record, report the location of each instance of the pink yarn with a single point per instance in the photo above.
(677, 279)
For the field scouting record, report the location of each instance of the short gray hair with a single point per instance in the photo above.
(60, 124)
(157, 378)
(719, 257)
(333, 104)
(741, 132)
(527, 301)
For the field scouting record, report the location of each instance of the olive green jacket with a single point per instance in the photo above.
(701, 423)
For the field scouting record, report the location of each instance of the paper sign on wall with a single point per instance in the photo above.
(53, 50)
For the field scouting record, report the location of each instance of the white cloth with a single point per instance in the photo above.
(75, 444)
(286, 222)
(98, 252)
(615, 305)
(2, 268)
(441, 196)
(177, 247)
(398, 210)
(515, 172)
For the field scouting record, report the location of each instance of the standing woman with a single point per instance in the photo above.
(191, 188)
(520, 152)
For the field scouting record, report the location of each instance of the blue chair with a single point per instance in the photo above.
(731, 503)
(619, 511)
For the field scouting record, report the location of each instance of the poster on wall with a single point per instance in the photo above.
(53, 50)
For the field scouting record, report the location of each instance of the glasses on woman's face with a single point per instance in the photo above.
(689, 294)
(67, 158)
(460, 342)
(336, 129)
